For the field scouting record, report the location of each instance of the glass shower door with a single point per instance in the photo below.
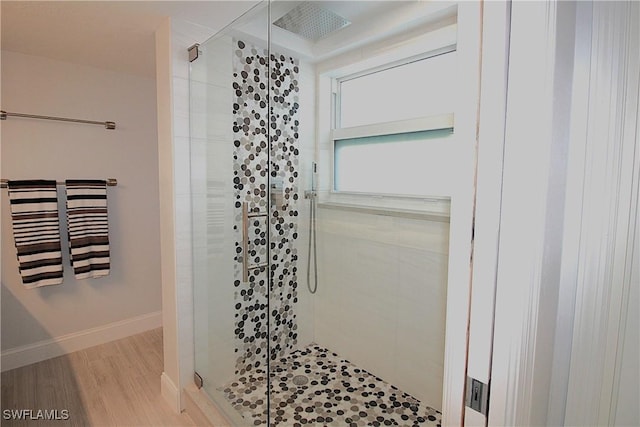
(359, 337)
(230, 181)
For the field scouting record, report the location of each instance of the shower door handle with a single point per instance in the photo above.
(245, 241)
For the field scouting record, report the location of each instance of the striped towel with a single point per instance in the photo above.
(36, 231)
(88, 227)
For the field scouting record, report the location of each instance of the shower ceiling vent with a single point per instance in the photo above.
(311, 21)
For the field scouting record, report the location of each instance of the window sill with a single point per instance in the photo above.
(440, 215)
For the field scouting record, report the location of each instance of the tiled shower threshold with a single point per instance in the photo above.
(315, 387)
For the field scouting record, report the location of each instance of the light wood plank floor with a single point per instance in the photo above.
(114, 384)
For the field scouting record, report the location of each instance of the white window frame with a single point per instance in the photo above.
(434, 122)
(427, 123)
(434, 43)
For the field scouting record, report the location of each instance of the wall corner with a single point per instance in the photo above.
(170, 376)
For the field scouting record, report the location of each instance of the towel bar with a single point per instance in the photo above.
(111, 182)
(245, 241)
(107, 125)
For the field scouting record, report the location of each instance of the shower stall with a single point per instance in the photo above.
(323, 152)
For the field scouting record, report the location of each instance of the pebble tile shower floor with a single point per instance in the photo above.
(337, 393)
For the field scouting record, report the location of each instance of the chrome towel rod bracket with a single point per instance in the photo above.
(111, 182)
(107, 125)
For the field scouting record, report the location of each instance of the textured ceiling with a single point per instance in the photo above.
(114, 35)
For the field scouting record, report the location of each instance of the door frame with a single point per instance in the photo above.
(496, 22)
(568, 215)
(461, 217)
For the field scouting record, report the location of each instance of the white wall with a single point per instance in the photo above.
(170, 375)
(626, 411)
(59, 318)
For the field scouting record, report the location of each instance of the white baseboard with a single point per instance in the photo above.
(170, 393)
(54, 347)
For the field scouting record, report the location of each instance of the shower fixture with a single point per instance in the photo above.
(311, 195)
(311, 21)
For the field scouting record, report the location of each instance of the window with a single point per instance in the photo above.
(392, 125)
(398, 164)
(420, 88)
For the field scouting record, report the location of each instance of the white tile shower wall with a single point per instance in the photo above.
(381, 299)
(220, 248)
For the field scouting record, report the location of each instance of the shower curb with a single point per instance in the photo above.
(202, 410)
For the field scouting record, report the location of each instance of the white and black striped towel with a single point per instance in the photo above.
(88, 228)
(36, 231)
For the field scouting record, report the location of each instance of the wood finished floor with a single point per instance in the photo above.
(114, 384)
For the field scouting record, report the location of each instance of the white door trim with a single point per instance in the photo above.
(525, 232)
(569, 209)
(491, 132)
(607, 214)
(459, 271)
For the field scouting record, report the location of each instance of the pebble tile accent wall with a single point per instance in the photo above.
(265, 142)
